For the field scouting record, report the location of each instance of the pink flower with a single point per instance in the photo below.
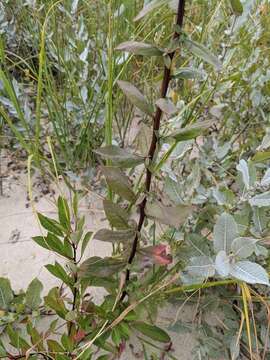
(162, 255)
(158, 254)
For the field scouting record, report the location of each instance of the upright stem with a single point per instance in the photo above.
(154, 141)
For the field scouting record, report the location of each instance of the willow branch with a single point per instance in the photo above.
(155, 130)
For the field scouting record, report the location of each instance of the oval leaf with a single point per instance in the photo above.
(201, 266)
(117, 216)
(139, 48)
(135, 97)
(118, 182)
(203, 53)
(33, 294)
(222, 263)
(237, 7)
(118, 156)
(243, 247)
(166, 106)
(249, 272)
(261, 200)
(153, 332)
(6, 293)
(190, 132)
(115, 236)
(225, 231)
(170, 215)
(266, 179)
(244, 170)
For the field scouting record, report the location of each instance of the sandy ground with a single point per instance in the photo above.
(22, 259)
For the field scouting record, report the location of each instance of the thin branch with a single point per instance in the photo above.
(154, 141)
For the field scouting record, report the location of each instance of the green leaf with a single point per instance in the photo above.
(67, 342)
(203, 53)
(202, 266)
(33, 294)
(237, 7)
(170, 215)
(249, 272)
(166, 106)
(118, 156)
(243, 168)
(174, 190)
(36, 338)
(149, 8)
(261, 156)
(140, 48)
(222, 263)
(100, 267)
(191, 131)
(260, 200)
(53, 243)
(153, 332)
(63, 212)
(51, 225)
(86, 239)
(142, 140)
(6, 293)
(135, 97)
(55, 347)
(116, 215)
(16, 340)
(225, 231)
(118, 182)
(54, 301)
(58, 271)
(266, 178)
(122, 236)
(3, 352)
(243, 247)
(188, 73)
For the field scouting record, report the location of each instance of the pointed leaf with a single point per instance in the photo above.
(203, 53)
(243, 168)
(166, 106)
(118, 182)
(6, 293)
(139, 48)
(222, 263)
(117, 216)
(100, 267)
(174, 190)
(237, 7)
(63, 212)
(249, 272)
(121, 157)
(135, 97)
(266, 178)
(150, 7)
(153, 332)
(261, 200)
(188, 73)
(243, 247)
(115, 236)
(170, 215)
(225, 231)
(190, 132)
(58, 271)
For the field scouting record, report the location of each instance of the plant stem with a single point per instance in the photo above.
(154, 141)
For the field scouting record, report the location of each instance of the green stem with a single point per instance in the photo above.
(200, 286)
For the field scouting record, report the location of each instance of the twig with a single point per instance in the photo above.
(154, 141)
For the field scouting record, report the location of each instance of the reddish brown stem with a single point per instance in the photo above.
(154, 141)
